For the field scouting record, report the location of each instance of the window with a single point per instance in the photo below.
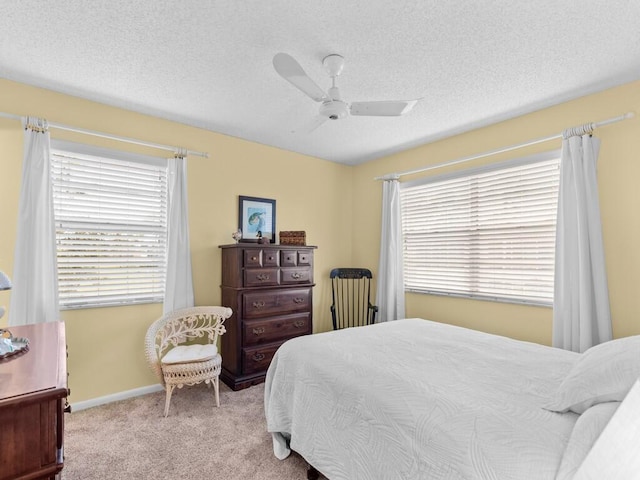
(486, 233)
(111, 226)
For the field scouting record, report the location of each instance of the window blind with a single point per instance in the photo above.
(486, 233)
(111, 230)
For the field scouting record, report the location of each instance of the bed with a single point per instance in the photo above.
(416, 399)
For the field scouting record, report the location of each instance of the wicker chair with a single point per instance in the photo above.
(177, 364)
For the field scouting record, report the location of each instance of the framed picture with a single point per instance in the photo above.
(257, 218)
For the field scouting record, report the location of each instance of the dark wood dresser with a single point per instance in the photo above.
(269, 289)
(33, 391)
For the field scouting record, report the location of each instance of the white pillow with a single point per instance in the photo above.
(585, 433)
(604, 373)
(190, 353)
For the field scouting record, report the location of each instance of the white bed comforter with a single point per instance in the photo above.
(414, 399)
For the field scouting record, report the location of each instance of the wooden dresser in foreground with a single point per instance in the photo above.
(33, 391)
(269, 289)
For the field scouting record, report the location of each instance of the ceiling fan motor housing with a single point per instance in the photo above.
(334, 109)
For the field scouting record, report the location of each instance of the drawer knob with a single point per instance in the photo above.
(254, 258)
(258, 330)
(299, 323)
(295, 275)
(263, 277)
(298, 300)
(258, 356)
(258, 304)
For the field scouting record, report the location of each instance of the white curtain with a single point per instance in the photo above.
(390, 283)
(34, 298)
(179, 284)
(581, 316)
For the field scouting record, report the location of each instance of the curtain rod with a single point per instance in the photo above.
(608, 121)
(60, 126)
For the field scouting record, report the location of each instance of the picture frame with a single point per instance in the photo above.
(256, 215)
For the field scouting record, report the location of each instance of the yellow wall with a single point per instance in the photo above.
(618, 178)
(106, 345)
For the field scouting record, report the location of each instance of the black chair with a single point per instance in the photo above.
(351, 295)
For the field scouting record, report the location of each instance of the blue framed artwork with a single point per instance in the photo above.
(257, 218)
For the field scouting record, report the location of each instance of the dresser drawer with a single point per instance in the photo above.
(289, 258)
(256, 257)
(305, 258)
(293, 258)
(279, 328)
(295, 275)
(269, 258)
(258, 277)
(253, 257)
(273, 302)
(257, 359)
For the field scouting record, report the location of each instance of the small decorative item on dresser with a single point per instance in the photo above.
(298, 237)
(237, 235)
(10, 345)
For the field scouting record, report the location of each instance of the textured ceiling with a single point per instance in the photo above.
(209, 63)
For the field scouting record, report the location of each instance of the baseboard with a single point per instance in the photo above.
(114, 397)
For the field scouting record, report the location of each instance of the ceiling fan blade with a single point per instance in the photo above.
(383, 108)
(289, 69)
(312, 125)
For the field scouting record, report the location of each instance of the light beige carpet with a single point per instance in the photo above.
(131, 439)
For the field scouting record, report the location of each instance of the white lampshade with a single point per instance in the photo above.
(5, 283)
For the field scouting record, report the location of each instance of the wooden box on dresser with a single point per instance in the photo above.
(269, 289)
(33, 392)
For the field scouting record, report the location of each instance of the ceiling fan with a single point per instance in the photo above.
(332, 107)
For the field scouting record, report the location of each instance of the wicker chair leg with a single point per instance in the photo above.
(216, 387)
(169, 389)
